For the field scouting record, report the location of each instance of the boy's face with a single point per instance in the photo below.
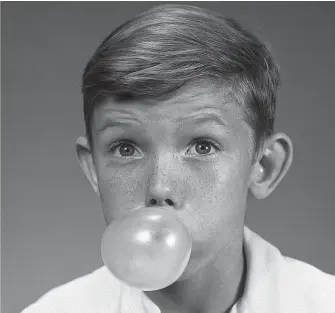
(194, 150)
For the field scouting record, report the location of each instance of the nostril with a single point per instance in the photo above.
(153, 202)
(169, 202)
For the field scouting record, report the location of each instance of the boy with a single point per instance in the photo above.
(179, 106)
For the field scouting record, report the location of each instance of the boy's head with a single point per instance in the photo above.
(179, 108)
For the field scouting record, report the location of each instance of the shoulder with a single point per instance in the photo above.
(302, 287)
(308, 283)
(97, 291)
(287, 284)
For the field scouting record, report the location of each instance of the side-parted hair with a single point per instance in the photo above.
(161, 50)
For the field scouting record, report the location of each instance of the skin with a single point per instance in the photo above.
(206, 181)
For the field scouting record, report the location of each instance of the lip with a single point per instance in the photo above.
(167, 208)
(158, 208)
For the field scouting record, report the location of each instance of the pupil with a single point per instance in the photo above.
(203, 148)
(126, 150)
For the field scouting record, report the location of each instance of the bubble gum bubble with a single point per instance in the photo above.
(148, 249)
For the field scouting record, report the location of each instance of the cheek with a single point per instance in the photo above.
(219, 200)
(120, 190)
(221, 183)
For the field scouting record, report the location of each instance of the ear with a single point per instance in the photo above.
(271, 165)
(85, 160)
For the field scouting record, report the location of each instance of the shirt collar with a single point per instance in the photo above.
(262, 261)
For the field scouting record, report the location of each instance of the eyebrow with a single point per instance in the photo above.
(196, 118)
(111, 122)
(205, 117)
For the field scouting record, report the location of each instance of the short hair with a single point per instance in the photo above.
(161, 50)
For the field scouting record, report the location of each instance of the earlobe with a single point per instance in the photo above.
(86, 163)
(272, 166)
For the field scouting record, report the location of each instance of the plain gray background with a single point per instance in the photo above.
(51, 219)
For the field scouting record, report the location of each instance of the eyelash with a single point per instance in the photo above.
(207, 140)
(119, 143)
(115, 145)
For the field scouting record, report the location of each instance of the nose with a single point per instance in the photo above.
(163, 190)
(160, 201)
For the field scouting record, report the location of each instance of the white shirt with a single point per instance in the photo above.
(274, 284)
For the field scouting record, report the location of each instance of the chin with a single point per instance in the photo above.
(199, 260)
(192, 268)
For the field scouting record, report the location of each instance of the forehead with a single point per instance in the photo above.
(198, 97)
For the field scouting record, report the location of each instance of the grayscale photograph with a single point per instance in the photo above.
(168, 157)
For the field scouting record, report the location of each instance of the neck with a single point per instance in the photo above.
(213, 289)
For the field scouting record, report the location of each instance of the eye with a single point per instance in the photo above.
(124, 150)
(203, 147)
